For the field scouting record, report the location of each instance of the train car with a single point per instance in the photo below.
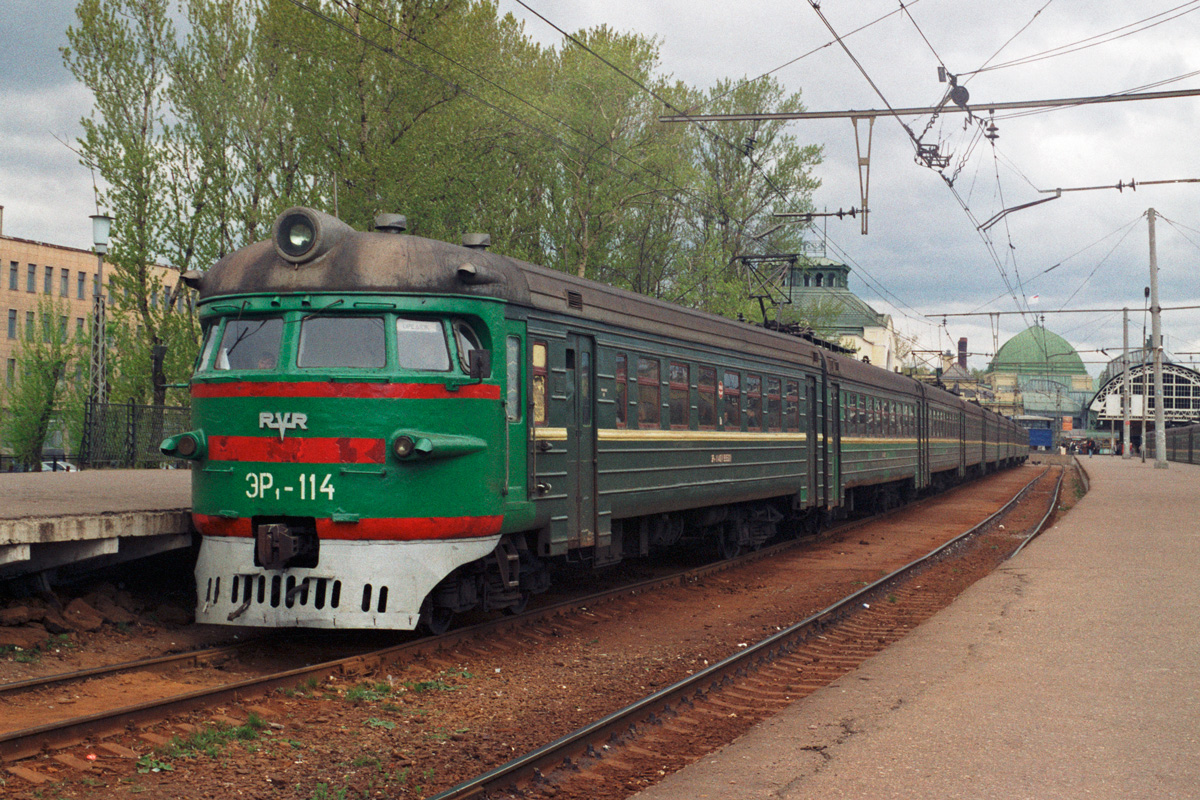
(391, 430)
(1183, 444)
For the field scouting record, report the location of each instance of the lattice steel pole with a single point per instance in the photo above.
(98, 379)
(1160, 418)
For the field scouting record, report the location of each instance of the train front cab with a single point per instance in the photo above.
(347, 461)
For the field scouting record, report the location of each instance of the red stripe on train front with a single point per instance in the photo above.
(294, 450)
(322, 389)
(399, 529)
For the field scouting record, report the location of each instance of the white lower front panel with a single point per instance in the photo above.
(355, 585)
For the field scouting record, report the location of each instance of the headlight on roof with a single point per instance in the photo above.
(304, 234)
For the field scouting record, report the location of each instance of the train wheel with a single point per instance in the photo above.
(438, 621)
(519, 606)
(729, 546)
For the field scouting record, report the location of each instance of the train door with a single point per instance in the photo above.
(816, 469)
(835, 445)
(964, 430)
(922, 412)
(581, 440)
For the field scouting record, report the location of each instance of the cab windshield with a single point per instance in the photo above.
(421, 345)
(248, 344)
(356, 342)
(319, 341)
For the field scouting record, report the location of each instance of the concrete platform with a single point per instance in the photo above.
(55, 519)
(1071, 672)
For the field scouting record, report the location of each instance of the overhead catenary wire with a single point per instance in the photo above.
(668, 104)
(459, 87)
(1095, 40)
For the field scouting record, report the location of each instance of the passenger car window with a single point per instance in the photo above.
(354, 342)
(512, 397)
(421, 345)
(649, 411)
(733, 401)
(621, 380)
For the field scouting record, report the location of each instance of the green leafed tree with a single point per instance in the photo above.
(41, 401)
(122, 51)
(748, 172)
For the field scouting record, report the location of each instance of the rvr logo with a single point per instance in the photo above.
(282, 421)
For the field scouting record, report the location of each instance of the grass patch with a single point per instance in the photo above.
(213, 740)
(369, 692)
(386, 724)
(148, 763)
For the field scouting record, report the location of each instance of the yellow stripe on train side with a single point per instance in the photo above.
(634, 435)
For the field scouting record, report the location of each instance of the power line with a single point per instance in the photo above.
(922, 110)
(716, 136)
(459, 87)
(1093, 41)
(1049, 311)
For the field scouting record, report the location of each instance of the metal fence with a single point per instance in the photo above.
(48, 464)
(127, 435)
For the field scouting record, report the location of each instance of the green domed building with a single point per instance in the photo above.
(1037, 372)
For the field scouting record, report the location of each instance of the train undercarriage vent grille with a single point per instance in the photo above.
(278, 590)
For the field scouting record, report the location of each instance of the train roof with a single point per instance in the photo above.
(344, 260)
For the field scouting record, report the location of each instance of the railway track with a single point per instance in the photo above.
(660, 729)
(22, 743)
(46, 737)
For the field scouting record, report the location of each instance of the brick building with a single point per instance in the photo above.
(31, 271)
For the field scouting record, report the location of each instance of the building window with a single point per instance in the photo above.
(13, 271)
(10, 376)
(79, 325)
(31, 279)
(733, 401)
(79, 283)
(28, 324)
(679, 396)
(12, 323)
(622, 381)
(65, 288)
(649, 411)
(48, 284)
(708, 397)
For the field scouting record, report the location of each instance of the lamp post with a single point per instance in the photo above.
(98, 379)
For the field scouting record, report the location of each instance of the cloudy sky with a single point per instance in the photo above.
(923, 254)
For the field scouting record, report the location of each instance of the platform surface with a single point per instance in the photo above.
(1072, 671)
(98, 517)
(93, 491)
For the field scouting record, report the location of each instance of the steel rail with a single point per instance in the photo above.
(15, 745)
(1053, 505)
(588, 741)
(206, 654)
(27, 742)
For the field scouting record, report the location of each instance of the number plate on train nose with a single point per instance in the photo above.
(308, 486)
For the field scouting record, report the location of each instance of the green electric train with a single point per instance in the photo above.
(391, 430)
